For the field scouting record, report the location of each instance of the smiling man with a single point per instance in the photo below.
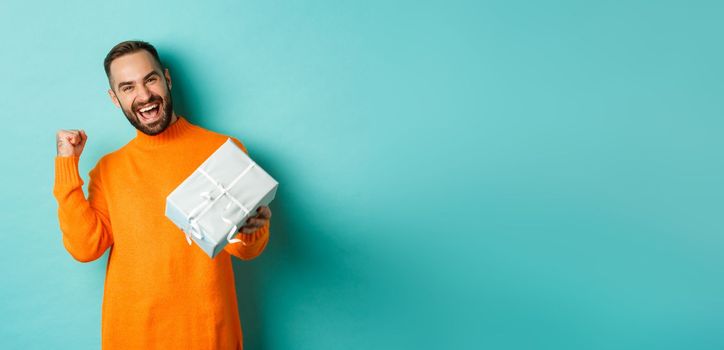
(160, 293)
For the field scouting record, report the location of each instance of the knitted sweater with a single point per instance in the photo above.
(160, 293)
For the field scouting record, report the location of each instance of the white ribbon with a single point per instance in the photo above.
(193, 228)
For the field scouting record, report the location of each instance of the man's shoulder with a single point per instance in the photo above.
(218, 138)
(108, 158)
(114, 156)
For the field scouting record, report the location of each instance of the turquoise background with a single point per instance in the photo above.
(454, 175)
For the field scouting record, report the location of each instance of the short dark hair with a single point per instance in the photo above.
(128, 47)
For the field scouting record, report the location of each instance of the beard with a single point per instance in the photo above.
(159, 125)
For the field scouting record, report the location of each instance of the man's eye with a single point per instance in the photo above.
(126, 88)
(152, 80)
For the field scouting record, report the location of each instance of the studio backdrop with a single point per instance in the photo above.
(453, 174)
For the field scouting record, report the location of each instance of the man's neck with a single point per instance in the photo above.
(174, 118)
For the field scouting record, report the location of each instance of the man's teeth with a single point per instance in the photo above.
(147, 108)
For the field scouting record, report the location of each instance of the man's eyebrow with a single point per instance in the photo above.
(121, 84)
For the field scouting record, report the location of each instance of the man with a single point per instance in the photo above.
(160, 293)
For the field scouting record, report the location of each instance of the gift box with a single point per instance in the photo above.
(212, 204)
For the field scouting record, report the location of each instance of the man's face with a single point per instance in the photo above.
(142, 91)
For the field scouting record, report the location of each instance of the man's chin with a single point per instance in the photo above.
(154, 124)
(152, 128)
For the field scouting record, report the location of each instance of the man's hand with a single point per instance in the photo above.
(70, 142)
(253, 223)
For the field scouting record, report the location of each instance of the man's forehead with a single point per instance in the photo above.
(132, 66)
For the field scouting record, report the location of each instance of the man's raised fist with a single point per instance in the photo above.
(70, 142)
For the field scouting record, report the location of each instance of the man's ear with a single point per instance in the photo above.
(114, 98)
(168, 78)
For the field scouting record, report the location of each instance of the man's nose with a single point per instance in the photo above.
(143, 93)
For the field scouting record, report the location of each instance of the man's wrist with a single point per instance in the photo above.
(66, 171)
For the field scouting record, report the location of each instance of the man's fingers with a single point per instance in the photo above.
(74, 137)
(256, 222)
(251, 227)
(248, 230)
(70, 142)
(264, 212)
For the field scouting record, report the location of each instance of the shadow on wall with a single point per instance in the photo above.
(295, 265)
(181, 89)
(288, 255)
(297, 247)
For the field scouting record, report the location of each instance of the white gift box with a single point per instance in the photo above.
(212, 204)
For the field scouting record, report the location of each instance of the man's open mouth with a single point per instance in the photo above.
(149, 112)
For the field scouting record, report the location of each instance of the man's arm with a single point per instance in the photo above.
(84, 223)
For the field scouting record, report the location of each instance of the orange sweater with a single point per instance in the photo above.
(160, 293)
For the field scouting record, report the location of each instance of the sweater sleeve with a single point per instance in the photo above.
(252, 244)
(84, 223)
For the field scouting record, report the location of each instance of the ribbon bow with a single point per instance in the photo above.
(194, 229)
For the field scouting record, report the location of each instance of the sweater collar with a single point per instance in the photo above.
(173, 132)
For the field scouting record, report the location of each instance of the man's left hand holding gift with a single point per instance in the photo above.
(253, 223)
